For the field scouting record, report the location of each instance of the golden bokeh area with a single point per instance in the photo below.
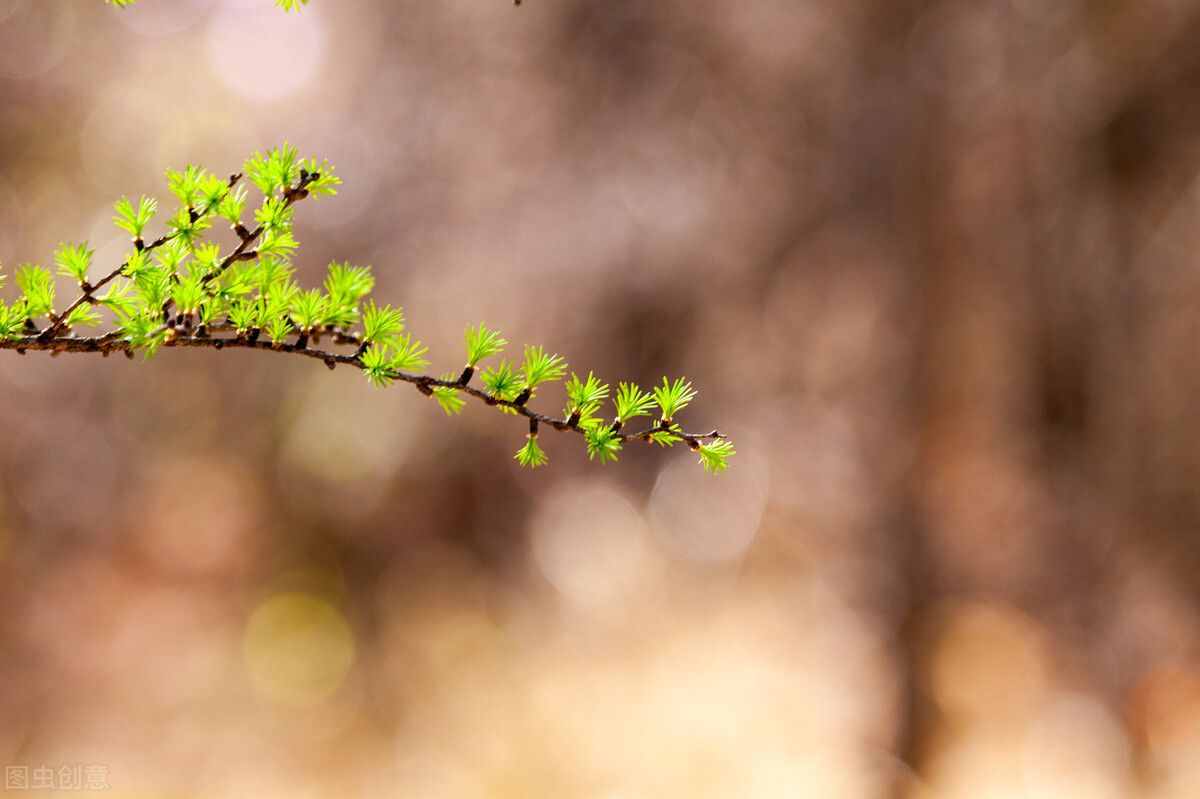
(298, 649)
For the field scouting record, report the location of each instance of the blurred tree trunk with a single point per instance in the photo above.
(1060, 310)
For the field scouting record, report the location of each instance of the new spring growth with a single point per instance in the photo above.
(186, 283)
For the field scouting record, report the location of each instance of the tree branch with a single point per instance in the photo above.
(88, 290)
(112, 342)
(246, 298)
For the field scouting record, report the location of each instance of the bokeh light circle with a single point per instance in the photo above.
(700, 518)
(298, 649)
(589, 543)
(261, 54)
(163, 19)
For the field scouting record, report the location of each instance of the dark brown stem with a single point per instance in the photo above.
(87, 291)
(112, 342)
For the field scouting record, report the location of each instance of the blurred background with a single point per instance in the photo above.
(931, 264)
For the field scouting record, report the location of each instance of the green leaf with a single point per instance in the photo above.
(12, 319)
(277, 170)
(275, 215)
(531, 455)
(587, 416)
(245, 315)
(673, 397)
(142, 331)
(172, 255)
(270, 271)
(234, 283)
(483, 343)
(382, 362)
(539, 367)
(714, 456)
(408, 354)
(131, 220)
(603, 443)
(668, 437)
(377, 366)
(74, 260)
(212, 192)
(207, 258)
(210, 309)
(448, 398)
(382, 324)
(153, 285)
(37, 286)
(309, 310)
(137, 264)
(188, 228)
(188, 293)
(278, 328)
(83, 315)
(117, 298)
(502, 381)
(632, 402)
(232, 205)
(326, 182)
(346, 285)
(278, 244)
(349, 282)
(187, 185)
(585, 396)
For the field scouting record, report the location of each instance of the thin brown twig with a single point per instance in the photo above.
(88, 290)
(182, 332)
(112, 342)
(291, 196)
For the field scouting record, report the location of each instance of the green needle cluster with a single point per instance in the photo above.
(196, 285)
